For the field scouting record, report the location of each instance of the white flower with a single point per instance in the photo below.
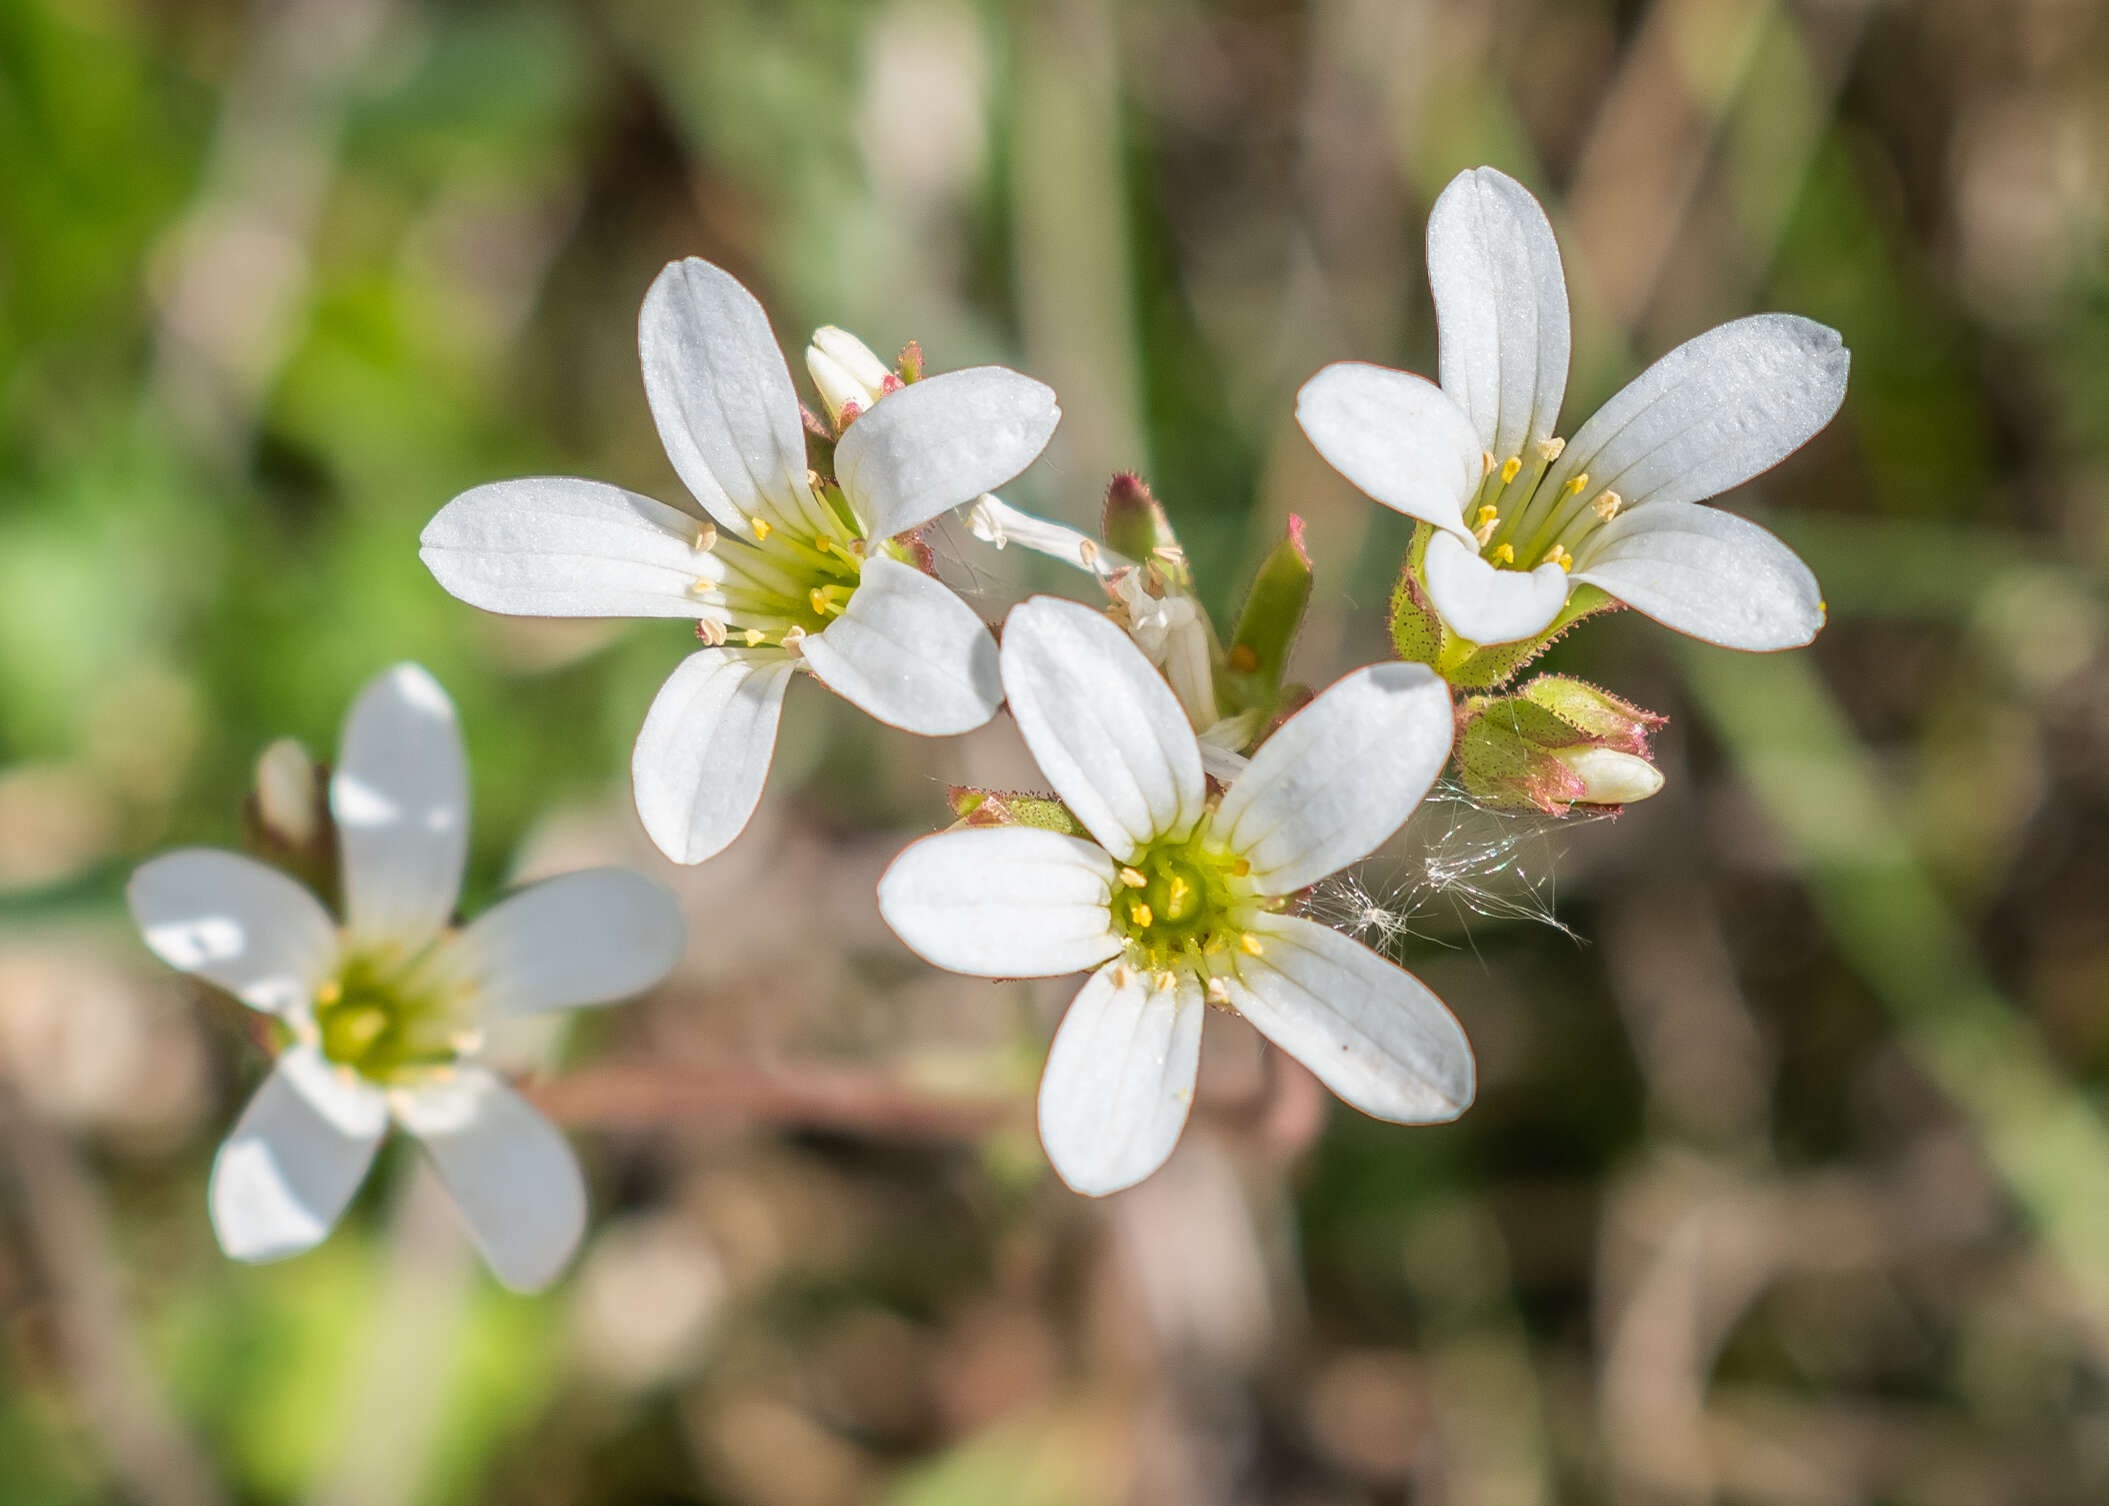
(806, 578)
(1180, 901)
(1524, 516)
(846, 374)
(387, 1010)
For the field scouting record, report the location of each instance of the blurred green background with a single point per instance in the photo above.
(1788, 1180)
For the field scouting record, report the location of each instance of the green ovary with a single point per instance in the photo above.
(384, 1022)
(1191, 899)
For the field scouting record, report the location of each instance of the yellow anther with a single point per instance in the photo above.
(1607, 506)
(754, 637)
(330, 992)
(1505, 555)
(1250, 945)
(1551, 447)
(1140, 913)
(1179, 894)
(701, 587)
(1483, 523)
(706, 538)
(1219, 992)
(1132, 877)
(762, 530)
(822, 603)
(1558, 555)
(1510, 467)
(1241, 867)
(1578, 484)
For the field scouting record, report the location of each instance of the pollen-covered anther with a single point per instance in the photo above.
(1511, 468)
(1505, 555)
(1141, 914)
(1133, 878)
(1483, 524)
(754, 637)
(1578, 484)
(711, 631)
(828, 601)
(1551, 447)
(1486, 462)
(1249, 944)
(1087, 551)
(1558, 555)
(1241, 867)
(1218, 993)
(761, 527)
(1166, 982)
(1607, 506)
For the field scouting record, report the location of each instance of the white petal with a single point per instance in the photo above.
(1712, 413)
(1500, 309)
(1104, 727)
(1371, 1032)
(1003, 902)
(1487, 604)
(1120, 1079)
(1338, 777)
(855, 358)
(235, 923)
(295, 1157)
(909, 652)
(508, 1169)
(1708, 573)
(581, 938)
(401, 800)
(552, 546)
(723, 399)
(940, 442)
(994, 521)
(1397, 436)
(705, 748)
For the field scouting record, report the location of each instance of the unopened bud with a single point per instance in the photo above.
(289, 802)
(845, 373)
(1610, 777)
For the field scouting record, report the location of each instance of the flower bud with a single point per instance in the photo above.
(287, 815)
(847, 375)
(1610, 777)
(1555, 744)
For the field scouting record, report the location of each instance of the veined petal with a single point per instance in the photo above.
(705, 748)
(590, 937)
(1371, 1032)
(994, 521)
(1003, 902)
(1500, 309)
(235, 923)
(1338, 777)
(508, 1170)
(1398, 437)
(1103, 725)
(1708, 573)
(909, 652)
(940, 442)
(723, 400)
(401, 800)
(295, 1157)
(1120, 1078)
(553, 546)
(1487, 604)
(1712, 413)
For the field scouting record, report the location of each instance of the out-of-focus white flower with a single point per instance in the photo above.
(1523, 516)
(1180, 901)
(387, 1010)
(809, 576)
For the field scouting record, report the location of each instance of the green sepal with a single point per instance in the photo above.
(1489, 668)
(1503, 768)
(979, 807)
(1418, 633)
(1268, 623)
(910, 363)
(1135, 524)
(1602, 719)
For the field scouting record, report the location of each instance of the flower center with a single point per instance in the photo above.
(791, 582)
(384, 1019)
(1177, 902)
(1524, 519)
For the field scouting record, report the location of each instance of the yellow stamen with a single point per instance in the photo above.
(1505, 555)
(1579, 484)
(1550, 448)
(1178, 892)
(1607, 506)
(1140, 914)
(330, 992)
(1558, 555)
(762, 530)
(754, 637)
(1510, 468)
(1483, 523)
(822, 603)
(1132, 877)
(1241, 867)
(1250, 944)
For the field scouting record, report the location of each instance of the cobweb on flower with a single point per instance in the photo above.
(1455, 856)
